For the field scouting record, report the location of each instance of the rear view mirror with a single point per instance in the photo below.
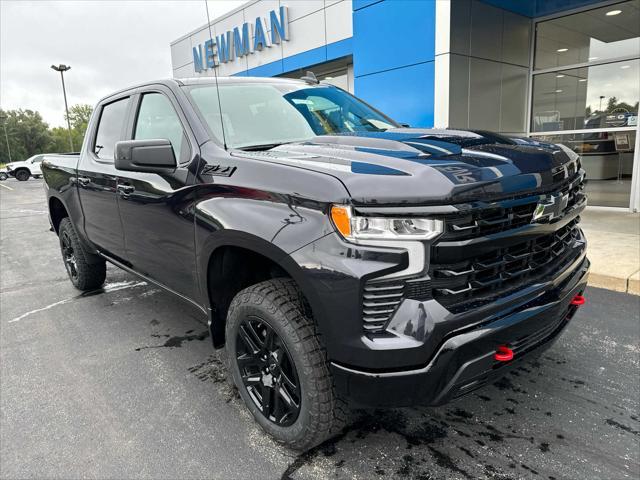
(153, 156)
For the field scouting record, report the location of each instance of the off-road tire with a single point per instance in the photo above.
(90, 270)
(22, 175)
(3, 176)
(280, 304)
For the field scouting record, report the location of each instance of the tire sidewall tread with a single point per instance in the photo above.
(91, 275)
(279, 303)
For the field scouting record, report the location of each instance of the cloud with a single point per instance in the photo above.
(109, 44)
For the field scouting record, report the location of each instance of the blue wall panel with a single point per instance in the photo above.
(342, 48)
(358, 4)
(332, 51)
(405, 94)
(270, 69)
(392, 34)
(304, 59)
(393, 57)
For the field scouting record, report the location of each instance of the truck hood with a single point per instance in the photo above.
(410, 166)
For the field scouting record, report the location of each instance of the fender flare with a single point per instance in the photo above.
(248, 241)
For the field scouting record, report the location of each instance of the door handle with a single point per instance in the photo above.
(125, 189)
(84, 181)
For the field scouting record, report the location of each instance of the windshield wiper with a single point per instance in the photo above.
(264, 146)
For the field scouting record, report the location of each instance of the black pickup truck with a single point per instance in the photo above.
(341, 258)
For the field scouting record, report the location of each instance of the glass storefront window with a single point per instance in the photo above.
(607, 159)
(594, 35)
(602, 96)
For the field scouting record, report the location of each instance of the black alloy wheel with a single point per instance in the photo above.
(279, 365)
(86, 271)
(69, 256)
(268, 372)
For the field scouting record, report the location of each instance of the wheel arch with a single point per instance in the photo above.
(235, 249)
(57, 211)
(21, 169)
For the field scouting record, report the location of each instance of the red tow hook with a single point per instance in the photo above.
(578, 300)
(503, 354)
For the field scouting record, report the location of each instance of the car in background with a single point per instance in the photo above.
(22, 171)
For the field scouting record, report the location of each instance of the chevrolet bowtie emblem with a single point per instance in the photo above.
(550, 208)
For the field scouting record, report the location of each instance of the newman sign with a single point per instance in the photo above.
(244, 40)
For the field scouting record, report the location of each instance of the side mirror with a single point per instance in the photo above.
(405, 125)
(151, 156)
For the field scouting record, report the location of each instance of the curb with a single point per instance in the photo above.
(629, 285)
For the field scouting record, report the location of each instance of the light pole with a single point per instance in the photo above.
(63, 68)
(6, 135)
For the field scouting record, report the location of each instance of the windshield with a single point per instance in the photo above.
(264, 115)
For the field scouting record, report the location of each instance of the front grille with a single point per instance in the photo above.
(483, 278)
(496, 219)
(480, 279)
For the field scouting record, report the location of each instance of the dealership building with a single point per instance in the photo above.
(566, 71)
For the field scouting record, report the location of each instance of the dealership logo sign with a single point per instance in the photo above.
(243, 40)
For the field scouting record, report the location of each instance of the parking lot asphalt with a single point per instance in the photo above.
(123, 383)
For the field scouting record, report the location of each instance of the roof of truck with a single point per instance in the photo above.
(179, 82)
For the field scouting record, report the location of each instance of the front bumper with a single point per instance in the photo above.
(464, 361)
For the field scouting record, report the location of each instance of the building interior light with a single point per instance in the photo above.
(593, 58)
(562, 50)
(582, 80)
(560, 76)
(558, 91)
(328, 78)
(612, 13)
(625, 66)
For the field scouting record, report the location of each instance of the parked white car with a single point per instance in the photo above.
(25, 169)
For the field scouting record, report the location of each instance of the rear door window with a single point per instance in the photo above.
(110, 128)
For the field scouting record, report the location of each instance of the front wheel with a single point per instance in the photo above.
(22, 175)
(86, 271)
(3, 176)
(280, 367)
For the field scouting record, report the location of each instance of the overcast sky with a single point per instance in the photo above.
(109, 45)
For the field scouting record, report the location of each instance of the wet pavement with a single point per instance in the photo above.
(124, 383)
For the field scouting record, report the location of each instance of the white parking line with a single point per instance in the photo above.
(107, 288)
(8, 188)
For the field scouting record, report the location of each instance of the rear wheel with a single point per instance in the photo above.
(22, 175)
(86, 271)
(279, 365)
(3, 176)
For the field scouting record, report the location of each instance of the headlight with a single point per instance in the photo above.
(383, 228)
(8, 166)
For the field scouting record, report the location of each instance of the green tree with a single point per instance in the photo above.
(614, 106)
(28, 134)
(60, 140)
(79, 116)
